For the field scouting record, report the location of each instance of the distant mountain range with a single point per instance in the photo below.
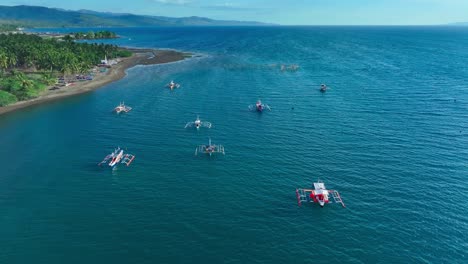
(37, 16)
(459, 24)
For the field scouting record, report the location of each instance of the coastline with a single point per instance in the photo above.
(116, 72)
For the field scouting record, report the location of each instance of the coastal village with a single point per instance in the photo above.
(71, 80)
(71, 67)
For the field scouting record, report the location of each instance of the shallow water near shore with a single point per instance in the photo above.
(391, 134)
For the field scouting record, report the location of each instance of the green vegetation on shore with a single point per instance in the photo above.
(7, 98)
(18, 86)
(7, 27)
(105, 34)
(44, 60)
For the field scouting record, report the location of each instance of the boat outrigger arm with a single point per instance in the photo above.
(127, 159)
(304, 195)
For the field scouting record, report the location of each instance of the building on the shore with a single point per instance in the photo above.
(104, 61)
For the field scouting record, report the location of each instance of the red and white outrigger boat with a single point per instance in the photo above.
(318, 195)
(122, 108)
(116, 157)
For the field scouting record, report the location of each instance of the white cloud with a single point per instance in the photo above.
(173, 2)
(228, 6)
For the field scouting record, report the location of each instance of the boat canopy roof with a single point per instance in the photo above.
(319, 185)
(321, 191)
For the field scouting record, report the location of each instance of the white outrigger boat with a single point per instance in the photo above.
(116, 157)
(172, 85)
(122, 108)
(210, 149)
(198, 123)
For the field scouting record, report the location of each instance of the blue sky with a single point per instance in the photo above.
(287, 12)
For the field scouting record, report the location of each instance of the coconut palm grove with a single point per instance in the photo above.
(29, 63)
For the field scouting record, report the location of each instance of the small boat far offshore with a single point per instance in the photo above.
(259, 106)
(198, 123)
(323, 88)
(122, 108)
(172, 85)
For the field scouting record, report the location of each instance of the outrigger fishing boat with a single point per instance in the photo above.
(323, 88)
(122, 108)
(292, 67)
(319, 195)
(259, 107)
(116, 157)
(172, 85)
(210, 149)
(198, 123)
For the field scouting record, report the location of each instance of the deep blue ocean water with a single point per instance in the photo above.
(391, 135)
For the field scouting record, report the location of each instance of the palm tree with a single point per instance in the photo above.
(48, 78)
(26, 84)
(3, 60)
(83, 67)
(65, 68)
(68, 38)
(12, 60)
(24, 81)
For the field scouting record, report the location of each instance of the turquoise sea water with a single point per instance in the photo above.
(391, 135)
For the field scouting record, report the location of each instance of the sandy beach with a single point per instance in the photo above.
(116, 72)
